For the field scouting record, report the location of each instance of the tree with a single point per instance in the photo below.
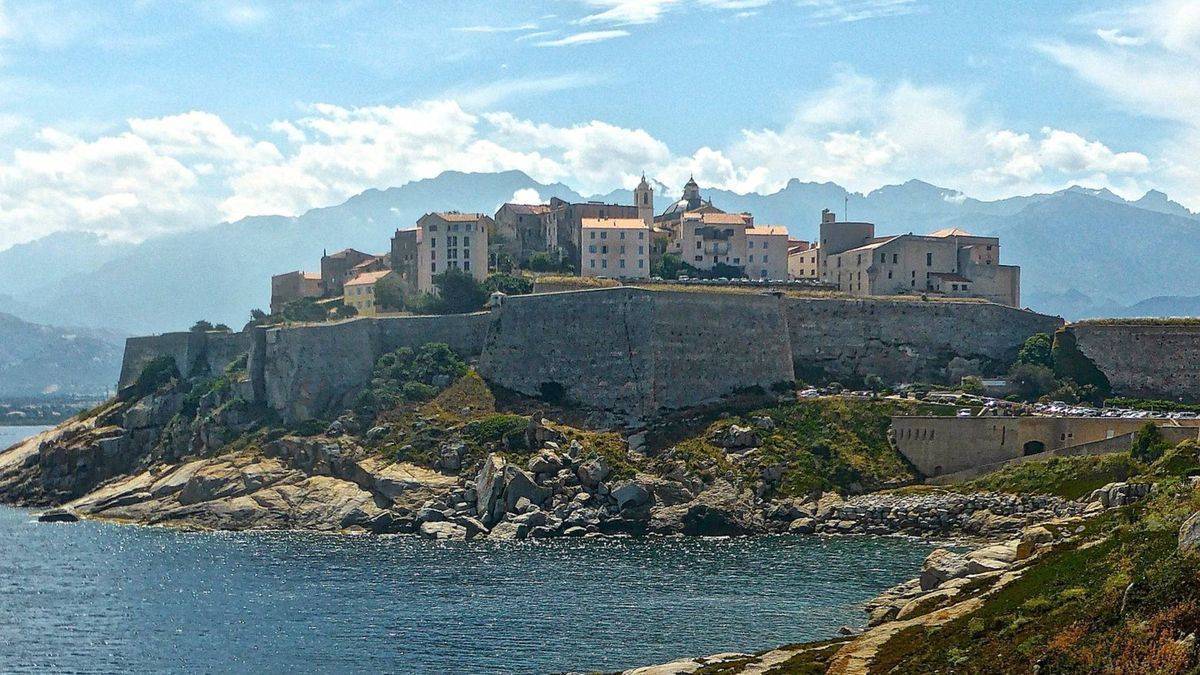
(1037, 350)
(668, 266)
(542, 262)
(508, 284)
(1148, 444)
(201, 326)
(304, 310)
(389, 294)
(458, 292)
(1031, 381)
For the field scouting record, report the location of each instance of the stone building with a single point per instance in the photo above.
(520, 231)
(643, 198)
(404, 258)
(950, 262)
(615, 247)
(802, 260)
(564, 223)
(690, 202)
(291, 286)
(451, 240)
(336, 269)
(359, 292)
(767, 252)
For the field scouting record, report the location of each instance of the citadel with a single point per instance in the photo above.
(628, 241)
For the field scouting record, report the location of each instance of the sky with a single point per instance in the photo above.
(133, 119)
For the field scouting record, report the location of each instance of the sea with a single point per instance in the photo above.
(101, 597)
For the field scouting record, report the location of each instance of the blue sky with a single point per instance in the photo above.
(141, 117)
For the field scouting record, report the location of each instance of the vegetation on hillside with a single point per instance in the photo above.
(1067, 477)
(1054, 368)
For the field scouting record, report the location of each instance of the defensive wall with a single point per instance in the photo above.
(633, 351)
(1145, 359)
(949, 445)
(193, 352)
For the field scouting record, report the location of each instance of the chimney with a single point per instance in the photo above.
(828, 216)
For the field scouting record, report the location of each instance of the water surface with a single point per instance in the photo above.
(101, 597)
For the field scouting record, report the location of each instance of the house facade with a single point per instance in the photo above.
(615, 247)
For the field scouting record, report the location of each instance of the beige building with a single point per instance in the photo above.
(615, 247)
(292, 286)
(949, 262)
(767, 252)
(802, 260)
(444, 241)
(359, 292)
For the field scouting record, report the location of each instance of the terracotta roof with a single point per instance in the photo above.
(951, 232)
(764, 230)
(528, 209)
(368, 278)
(709, 218)
(615, 223)
(950, 276)
(456, 217)
(372, 260)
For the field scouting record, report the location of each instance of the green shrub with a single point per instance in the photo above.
(1148, 443)
(418, 391)
(1072, 364)
(1037, 350)
(304, 310)
(497, 427)
(509, 284)
(412, 375)
(158, 371)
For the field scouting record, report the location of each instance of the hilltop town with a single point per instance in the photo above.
(691, 238)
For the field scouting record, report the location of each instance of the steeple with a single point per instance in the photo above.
(691, 193)
(643, 198)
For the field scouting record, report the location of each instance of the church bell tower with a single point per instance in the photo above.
(643, 198)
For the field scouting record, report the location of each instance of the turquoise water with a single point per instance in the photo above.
(101, 598)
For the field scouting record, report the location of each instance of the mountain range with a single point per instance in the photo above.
(38, 360)
(1083, 252)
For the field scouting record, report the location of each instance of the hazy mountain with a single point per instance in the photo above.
(25, 268)
(37, 359)
(1083, 252)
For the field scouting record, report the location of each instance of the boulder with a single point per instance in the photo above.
(443, 531)
(763, 422)
(1189, 534)
(801, 526)
(539, 432)
(630, 494)
(718, 511)
(593, 471)
(545, 461)
(941, 566)
(58, 515)
(519, 484)
(450, 456)
(927, 603)
(735, 437)
(508, 531)
(489, 485)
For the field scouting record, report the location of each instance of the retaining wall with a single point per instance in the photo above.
(1145, 360)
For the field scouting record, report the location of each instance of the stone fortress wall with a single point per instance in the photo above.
(629, 350)
(1145, 359)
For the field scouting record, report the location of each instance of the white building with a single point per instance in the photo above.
(451, 240)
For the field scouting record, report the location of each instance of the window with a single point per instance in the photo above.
(603, 235)
(467, 265)
(764, 274)
(929, 259)
(466, 242)
(737, 261)
(889, 274)
(433, 254)
(750, 244)
(699, 258)
(433, 228)
(604, 248)
(592, 262)
(622, 265)
(622, 235)
(641, 250)
(433, 243)
(895, 258)
(697, 244)
(604, 263)
(622, 247)
(433, 267)
(592, 248)
(954, 287)
(593, 233)
(641, 235)
(641, 264)
(859, 261)
(765, 258)
(751, 258)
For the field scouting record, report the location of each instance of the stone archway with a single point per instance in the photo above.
(1033, 448)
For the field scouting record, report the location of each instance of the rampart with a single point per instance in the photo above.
(946, 445)
(630, 350)
(192, 351)
(1145, 359)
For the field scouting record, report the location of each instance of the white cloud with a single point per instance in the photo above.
(849, 11)
(627, 12)
(526, 196)
(1113, 36)
(191, 169)
(497, 91)
(498, 29)
(1157, 79)
(586, 37)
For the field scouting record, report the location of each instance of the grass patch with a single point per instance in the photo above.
(1067, 477)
